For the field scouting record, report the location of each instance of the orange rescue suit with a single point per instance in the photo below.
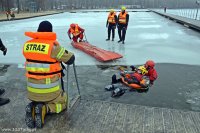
(76, 31)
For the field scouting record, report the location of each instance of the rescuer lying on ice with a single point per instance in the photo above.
(44, 74)
(140, 78)
(77, 32)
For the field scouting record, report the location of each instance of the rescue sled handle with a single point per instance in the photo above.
(75, 74)
(68, 86)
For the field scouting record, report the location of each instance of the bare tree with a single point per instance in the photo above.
(42, 5)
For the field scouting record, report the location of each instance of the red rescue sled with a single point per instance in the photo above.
(99, 54)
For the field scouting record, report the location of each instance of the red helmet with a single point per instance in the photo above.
(150, 64)
(72, 25)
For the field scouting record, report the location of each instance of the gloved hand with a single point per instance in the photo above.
(125, 28)
(126, 79)
(106, 26)
(151, 83)
(132, 67)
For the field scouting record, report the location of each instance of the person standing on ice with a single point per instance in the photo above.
(44, 58)
(3, 101)
(123, 19)
(77, 32)
(111, 24)
(3, 48)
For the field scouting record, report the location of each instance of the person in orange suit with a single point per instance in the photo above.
(77, 32)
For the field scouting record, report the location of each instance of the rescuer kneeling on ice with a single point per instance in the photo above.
(77, 32)
(44, 74)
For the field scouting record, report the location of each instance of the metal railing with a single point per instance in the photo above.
(188, 13)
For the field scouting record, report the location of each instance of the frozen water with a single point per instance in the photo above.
(149, 36)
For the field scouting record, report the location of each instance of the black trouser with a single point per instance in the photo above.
(115, 80)
(2, 47)
(122, 32)
(111, 27)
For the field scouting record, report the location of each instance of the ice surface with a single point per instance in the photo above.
(149, 36)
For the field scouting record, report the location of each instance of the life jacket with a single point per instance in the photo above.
(139, 77)
(135, 75)
(122, 18)
(39, 64)
(111, 18)
(75, 31)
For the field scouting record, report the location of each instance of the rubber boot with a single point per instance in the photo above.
(108, 39)
(2, 91)
(112, 39)
(30, 115)
(4, 101)
(122, 42)
(109, 88)
(119, 41)
(114, 79)
(40, 113)
(117, 92)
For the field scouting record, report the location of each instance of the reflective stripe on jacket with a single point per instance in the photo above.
(111, 18)
(122, 18)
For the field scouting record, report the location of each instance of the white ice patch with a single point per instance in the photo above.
(13, 27)
(180, 32)
(21, 66)
(146, 21)
(150, 36)
(149, 18)
(146, 26)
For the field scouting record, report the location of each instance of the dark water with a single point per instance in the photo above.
(177, 87)
(171, 90)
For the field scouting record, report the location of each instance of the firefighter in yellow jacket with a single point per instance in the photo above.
(44, 56)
